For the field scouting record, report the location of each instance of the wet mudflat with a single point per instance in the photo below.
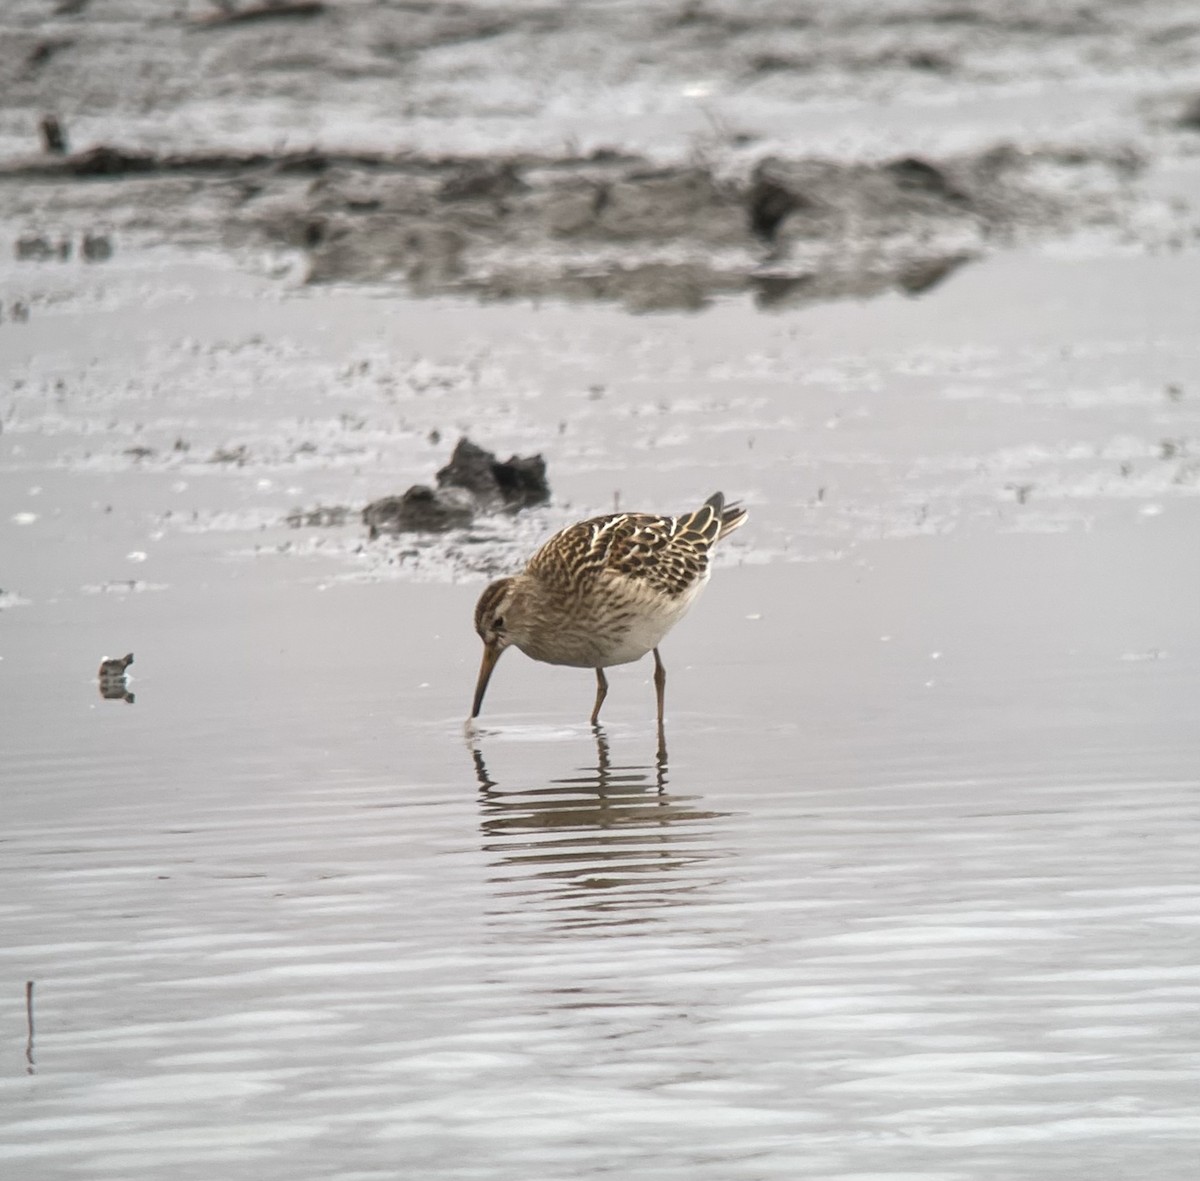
(913, 895)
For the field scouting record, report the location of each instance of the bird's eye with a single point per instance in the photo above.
(498, 623)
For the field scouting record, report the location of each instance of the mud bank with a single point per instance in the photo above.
(613, 227)
(793, 153)
(608, 227)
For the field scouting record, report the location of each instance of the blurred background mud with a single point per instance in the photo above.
(653, 153)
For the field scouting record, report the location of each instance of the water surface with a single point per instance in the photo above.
(913, 894)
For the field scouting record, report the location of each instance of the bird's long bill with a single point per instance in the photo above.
(491, 653)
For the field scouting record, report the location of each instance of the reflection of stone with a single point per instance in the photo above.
(599, 842)
(113, 686)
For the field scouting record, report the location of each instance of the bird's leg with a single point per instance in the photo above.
(660, 684)
(601, 693)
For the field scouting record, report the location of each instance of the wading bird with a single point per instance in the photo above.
(604, 591)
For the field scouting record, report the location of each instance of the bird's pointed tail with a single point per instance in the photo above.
(722, 519)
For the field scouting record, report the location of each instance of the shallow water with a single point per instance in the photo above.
(914, 893)
(281, 917)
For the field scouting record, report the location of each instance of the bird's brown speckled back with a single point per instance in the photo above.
(670, 554)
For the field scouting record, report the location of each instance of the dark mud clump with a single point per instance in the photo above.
(474, 481)
(420, 510)
(511, 484)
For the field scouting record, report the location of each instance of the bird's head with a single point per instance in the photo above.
(492, 611)
(492, 623)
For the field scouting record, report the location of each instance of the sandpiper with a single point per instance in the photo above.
(604, 591)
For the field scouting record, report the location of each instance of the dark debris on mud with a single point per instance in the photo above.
(473, 482)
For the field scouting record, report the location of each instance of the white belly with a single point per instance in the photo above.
(645, 633)
(623, 630)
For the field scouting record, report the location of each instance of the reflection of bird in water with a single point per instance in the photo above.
(602, 592)
(609, 839)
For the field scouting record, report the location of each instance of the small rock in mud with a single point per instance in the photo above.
(768, 203)
(96, 247)
(43, 51)
(482, 180)
(913, 175)
(54, 139)
(37, 248)
(113, 686)
(109, 161)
